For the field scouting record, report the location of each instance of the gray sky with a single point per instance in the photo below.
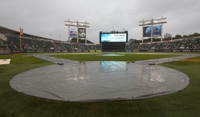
(45, 17)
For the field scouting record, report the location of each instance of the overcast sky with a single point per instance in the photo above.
(45, 17)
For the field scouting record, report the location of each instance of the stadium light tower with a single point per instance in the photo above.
(152, 22)
(76, 24)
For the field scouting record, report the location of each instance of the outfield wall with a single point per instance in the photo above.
(93, 51)
(178, 50)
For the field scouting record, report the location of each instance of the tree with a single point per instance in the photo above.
(196, 34)
(131, 41)
(73, 40)
(138, 41)
(185, 36)
(190, 35)
(178, 36)
(81, 40)
(168, 38)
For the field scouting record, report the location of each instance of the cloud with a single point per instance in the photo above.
(45, 17)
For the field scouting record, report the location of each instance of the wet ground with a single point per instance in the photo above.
(100, 81)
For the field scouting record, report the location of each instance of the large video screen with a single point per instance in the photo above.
(156, 31)
(113, 37)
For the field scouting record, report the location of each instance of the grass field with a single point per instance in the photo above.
(181, 104)
(107, 57)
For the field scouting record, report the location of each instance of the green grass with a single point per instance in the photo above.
(124, 57)
(181, 104)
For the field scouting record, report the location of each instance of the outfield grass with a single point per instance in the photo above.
(181, 104)
(101, 57)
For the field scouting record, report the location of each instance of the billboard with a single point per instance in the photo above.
(156, 31)
(81, 33)
(114, 37)
(73, 32)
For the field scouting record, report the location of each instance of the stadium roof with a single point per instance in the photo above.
(5, 30)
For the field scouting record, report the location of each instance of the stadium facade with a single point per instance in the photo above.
(10, 42)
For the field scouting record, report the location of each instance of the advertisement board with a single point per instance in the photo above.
(81, 33)
(114, 37)
(156, 31)
(73, 32)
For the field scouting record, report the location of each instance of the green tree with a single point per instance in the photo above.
(185, 36)
(196, 34)
(81, 40)
(73, 40)
(131, 40)
(138, 41)
(178, 36)
(168, 38)
(190, 35)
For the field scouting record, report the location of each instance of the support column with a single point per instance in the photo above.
(152, 30)
(161, 32)
(142, 34)
(142, 31)
(85, 36)
(77, 34)
(68, 33)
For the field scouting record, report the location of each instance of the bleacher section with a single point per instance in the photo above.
(10, 41)
(30, 44)
(14, 43)
(190, 44)
(46, 45)
(4, 45)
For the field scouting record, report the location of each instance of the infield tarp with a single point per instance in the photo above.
(101, 80)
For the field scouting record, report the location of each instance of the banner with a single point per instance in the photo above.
(156, 31)
(81, 33)
(73, 32)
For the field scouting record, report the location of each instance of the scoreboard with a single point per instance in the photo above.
(114, 36)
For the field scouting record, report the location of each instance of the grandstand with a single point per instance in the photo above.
(178, 45)
(32, 43)
(4, 48)
(10, 42)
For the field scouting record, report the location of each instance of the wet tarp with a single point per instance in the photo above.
(101, 80)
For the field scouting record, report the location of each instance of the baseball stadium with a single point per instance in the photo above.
(119, 77)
